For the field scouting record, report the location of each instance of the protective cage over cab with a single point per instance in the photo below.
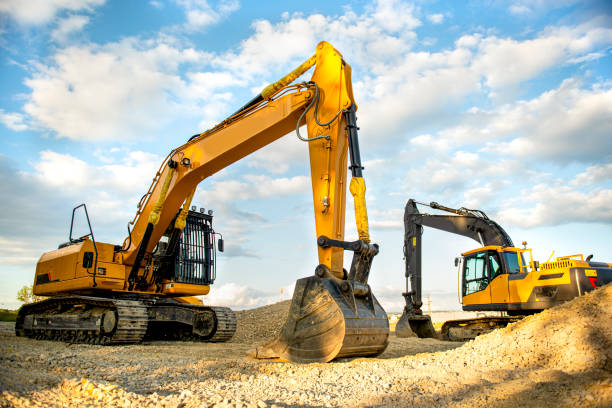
(192, 258)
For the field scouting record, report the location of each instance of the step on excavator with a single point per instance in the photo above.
(146, 287)
(493, 278)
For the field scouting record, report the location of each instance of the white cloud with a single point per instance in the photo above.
(593, 175)
(396, 15)
(69, 173)
(565, 124)
(505, 61)
(384, 31)
(13, 120)
(237, 296)
(200, 14)
(277, 157)
(451, 175)
(392, 219)
(569, 123)
(526, 7)
(17, 251)
(430, 143)
(135, 80)
(30, 12)
(111, 190)
(68, 26)
(112, 92)
(436, 18)
(556, 205)
(417, 89)
(254, 186)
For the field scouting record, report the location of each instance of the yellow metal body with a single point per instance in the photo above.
(518, 291)
(61, 271)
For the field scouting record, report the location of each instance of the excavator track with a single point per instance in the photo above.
(469, 329)
(226, 324)
(91, 320)
(82, 319)
(182, 322)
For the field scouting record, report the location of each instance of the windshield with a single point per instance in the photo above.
(512, 262)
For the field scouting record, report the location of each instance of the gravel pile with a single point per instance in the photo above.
(559, 358)
(261, 324)
(573, 337)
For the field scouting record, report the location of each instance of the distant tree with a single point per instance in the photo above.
(26, 295)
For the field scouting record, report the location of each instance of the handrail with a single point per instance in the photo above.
(80, 238)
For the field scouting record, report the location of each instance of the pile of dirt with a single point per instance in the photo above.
(260, 324)
(574, 337)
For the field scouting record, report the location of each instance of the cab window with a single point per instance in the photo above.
(512, 261)
(494, 265)
(475, 273)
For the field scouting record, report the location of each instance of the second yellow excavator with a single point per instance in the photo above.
(495, 277)
(112, 294)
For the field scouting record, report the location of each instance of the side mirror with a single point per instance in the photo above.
(220, 245)
(456, 262)
(536, 265)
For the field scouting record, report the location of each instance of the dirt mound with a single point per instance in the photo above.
(574, 337)
(261, 324)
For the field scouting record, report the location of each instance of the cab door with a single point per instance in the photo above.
(498, 279)
(476, 288)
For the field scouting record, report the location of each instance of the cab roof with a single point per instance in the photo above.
(491, 248)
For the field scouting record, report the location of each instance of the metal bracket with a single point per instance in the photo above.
(363, 254)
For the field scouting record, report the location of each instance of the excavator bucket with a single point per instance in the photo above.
(413, 325)
(328, 320)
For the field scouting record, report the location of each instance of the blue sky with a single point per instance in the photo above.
(505, 106)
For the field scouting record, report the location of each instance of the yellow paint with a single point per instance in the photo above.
(184, 289)
(590, 273)
(181, 220)
(328, 159)
(499, 289)
(358, 189)
(154, 214)
(271, 89)
(190, 300)
(482, 297)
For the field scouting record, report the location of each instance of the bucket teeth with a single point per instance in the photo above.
(326, 323)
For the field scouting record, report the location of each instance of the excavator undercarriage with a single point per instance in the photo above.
(108, 320)
(469, 329)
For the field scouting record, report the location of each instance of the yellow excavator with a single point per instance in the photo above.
(145, 288)
(495, 277)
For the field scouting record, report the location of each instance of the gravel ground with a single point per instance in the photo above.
(561, 357)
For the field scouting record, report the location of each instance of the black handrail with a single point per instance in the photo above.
(90, 234)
